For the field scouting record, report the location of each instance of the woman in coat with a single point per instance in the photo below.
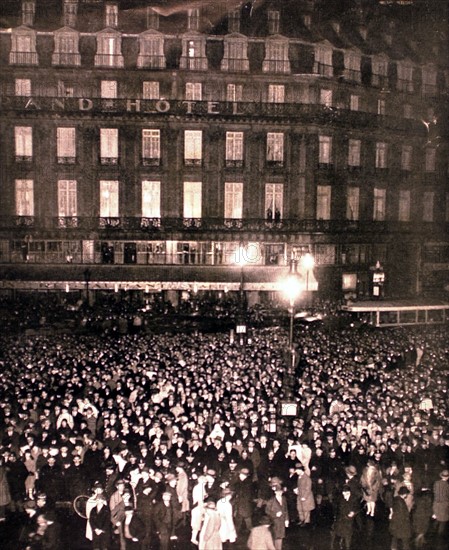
(225, 509)
(209, 538)
(371, 482)
(277, 510)
(305, 500)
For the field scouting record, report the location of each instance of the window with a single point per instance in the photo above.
(151, 51)
(150, 90)
(381, 155)
(276, 93)
(354, 152)
(193, 55)
(428, 205)
(151, 199)
(353, 203)
(379, 204)
(65, 145)
(404, 205)
(326, 97)
(381, 106)
(234, 92)
(354, 102)
(379, 72)
(235, 54)
(429, 80)
(109, 145)
(192, 199)
(233, 200)
(406, 157)
(24, 197)
(111, 15)
(194, 91)
(193, 145)
(234, 149)
(24, 143)
(109, 199)
(276, 56)
(109, 50)
(323, 61)
(273, 22)
(22, 87)
(67, 200)
(108, 89)
(275, 148)
(66, 48)
(151, 147)
(430, 159)
(352, 61)
(323, 202)
(70, 11)
(65, 89)
(274, 195)
(405, 77)
(324, 149)
(23, 47)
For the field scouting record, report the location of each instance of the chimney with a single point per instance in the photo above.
(28, 12)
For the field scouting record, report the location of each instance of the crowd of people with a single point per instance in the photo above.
(151, 435)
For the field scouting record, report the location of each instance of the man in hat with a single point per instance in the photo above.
(133, 529)
(346, 509)
(305, 500)
(441, 502)
(260, 537)
(400, 522)
(277, 510)
(98, 527)
(165, 520)
(243, 501)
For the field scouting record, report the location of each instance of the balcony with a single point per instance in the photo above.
(67, 222)
(235, 65)
(24, 158)
(23, 58)
(154, 161)
(230, 163)
(66, 59)
(281, 66)
(66, 160)
(323, 69)
(151, 62)
(109, 161)
(109, 60)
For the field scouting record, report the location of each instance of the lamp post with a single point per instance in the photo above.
(240, 260)
(292, 290)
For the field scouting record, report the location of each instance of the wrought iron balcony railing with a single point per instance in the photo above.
(144, 225)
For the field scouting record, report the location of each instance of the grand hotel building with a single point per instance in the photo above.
(151, 146)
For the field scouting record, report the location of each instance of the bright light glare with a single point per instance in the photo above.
(240, 256)
(292, 288)
(308, 261)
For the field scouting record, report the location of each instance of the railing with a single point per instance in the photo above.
(23, 58)
(109, 60)
(151, 61)
(169, 224)
(69, 59)
(276, 66)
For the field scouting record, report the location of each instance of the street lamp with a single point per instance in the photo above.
(292, 289)
(308, 263)
(240, 260)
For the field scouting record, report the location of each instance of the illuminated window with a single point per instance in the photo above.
(325, 149)
(323, 202)
(22, 87)
(274, 196)
(354, 152)
(65, 145)
(151, 199)
(353, 203)
(24, 143)
(233, 203)
(234, 92)
(194, 91)
(404, 205)
(192, 199)
(150, 90)
(109, 145)
(193, 145)
(379, 204)
(381, 154)
(109, 198)
(151, 147)
(108, 89)
(24, 197)
(67, 198)
(276, 93)
(234, 148)
(275, 148)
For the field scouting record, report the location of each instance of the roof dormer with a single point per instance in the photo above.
(28, 12)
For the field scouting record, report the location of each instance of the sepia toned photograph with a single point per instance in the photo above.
(224, 274)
